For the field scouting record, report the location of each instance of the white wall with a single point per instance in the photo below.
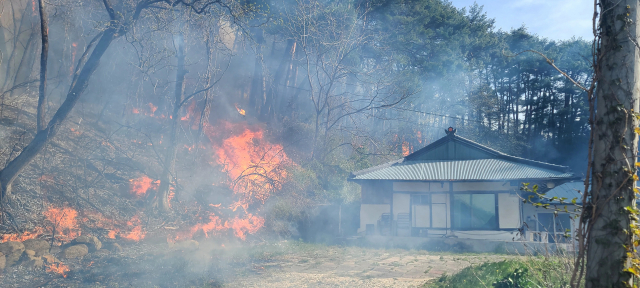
(508, 207)
(400, 204)
(509, 211)
(421, 186)
(370, 214)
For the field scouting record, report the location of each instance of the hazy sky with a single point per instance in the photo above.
(553, 19)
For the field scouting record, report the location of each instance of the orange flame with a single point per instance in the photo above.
(136, 234)
(241, 111)
(171, 195)
(153, 108)
(64, 222)
(58, 268)
(240, 226)
(250, 224)
(142, 184)
(192, 114)
(22, 237)
(255, 166)
(406, 148)
(77, 132)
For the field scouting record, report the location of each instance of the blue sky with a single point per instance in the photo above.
(553, 19)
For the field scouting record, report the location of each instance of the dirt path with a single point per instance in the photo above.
(356, 267)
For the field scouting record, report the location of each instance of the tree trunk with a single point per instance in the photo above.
(615, 147)
(273, 92)
(13, 169)
(257, 93)
(162, 198)
(44, 31)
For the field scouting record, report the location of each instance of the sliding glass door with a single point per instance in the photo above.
(474, 211)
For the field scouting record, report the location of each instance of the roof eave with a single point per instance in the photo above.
(573, 177)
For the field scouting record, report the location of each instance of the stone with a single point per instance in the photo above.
(29, 252)
(54, 250)
(91, 241)
(116, 248)
(3, 261)
(40, 246)
(12, 251)
(32, 261)
(51, 259)
(75, 251)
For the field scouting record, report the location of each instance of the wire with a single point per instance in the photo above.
(441, 115)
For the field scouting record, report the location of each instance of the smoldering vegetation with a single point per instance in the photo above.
(218, 124)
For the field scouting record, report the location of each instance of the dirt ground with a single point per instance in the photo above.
(209, 264)
(332, 266)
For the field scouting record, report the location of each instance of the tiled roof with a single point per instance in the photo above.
(456, 158)
(480, 169)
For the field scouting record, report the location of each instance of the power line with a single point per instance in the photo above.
(441, 115)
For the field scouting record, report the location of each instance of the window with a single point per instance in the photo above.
(474, 211)
(556, 225)
(420, 199)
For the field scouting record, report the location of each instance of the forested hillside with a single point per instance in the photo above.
(242, 114)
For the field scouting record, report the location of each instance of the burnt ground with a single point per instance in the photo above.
(268, 264)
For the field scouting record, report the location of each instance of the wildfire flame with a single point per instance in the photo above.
(406, 148)
(153, 108)
(255, 166)
(64, 222)
(240, 226)
(147, 112)
(21, 237)
(58, 268)
(142, 184)
(241, 111)
(136, 234)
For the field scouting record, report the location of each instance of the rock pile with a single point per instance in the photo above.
(35, 253)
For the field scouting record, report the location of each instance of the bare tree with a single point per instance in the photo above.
(119, 23)
(162, 197)
(44, 32)
(342, 86)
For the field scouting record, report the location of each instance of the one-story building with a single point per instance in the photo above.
(455, 187)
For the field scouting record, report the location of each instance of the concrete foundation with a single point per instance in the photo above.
(463, 245)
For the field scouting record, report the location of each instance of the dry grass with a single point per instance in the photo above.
(295, 264)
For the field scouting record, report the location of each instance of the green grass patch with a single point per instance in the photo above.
(530, 272)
